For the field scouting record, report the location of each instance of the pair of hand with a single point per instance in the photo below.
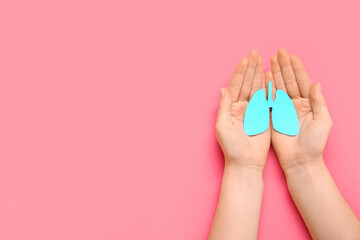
(288, 74)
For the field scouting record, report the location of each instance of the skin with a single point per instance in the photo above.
(321, 205)
(325, 212)
(238, 212)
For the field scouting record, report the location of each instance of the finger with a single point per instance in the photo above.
(224, 112)
(237, 79)
(318, 103)
(249, 76)
(302, 77)
(276, 72)
(269, 78)
(258, 78)
(288, 74)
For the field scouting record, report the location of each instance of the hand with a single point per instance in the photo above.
(288, 73)
(238, 147)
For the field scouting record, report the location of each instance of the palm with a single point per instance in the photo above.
(283, 143)
(245, 145)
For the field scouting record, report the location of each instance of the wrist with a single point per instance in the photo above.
(301, 170)
(291, 165)
(254, 164)
(244, 170)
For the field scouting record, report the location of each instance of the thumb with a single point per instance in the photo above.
(318, 103)
(224, 113)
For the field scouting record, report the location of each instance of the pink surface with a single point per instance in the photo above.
(107, 111)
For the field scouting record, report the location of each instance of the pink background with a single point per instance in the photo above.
(107, 111)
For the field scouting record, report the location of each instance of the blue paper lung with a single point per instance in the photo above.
(284, 117)
(256, 118)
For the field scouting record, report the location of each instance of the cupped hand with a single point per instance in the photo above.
(288, 74)
(239, 148)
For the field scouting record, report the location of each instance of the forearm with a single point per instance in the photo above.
(238, 211)
(324, 210)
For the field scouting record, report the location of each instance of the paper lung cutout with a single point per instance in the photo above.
(256, 117)
(284, 117)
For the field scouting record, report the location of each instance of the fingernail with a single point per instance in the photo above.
(319, 85)
(223, 92)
